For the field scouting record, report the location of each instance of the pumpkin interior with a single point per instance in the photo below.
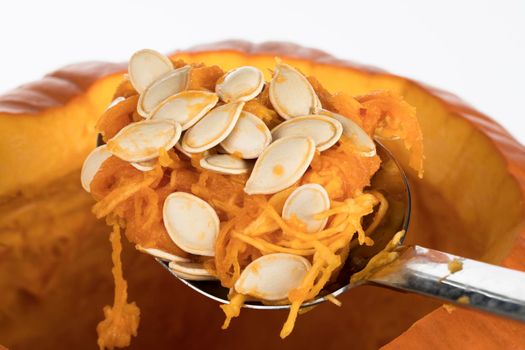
(467, 204)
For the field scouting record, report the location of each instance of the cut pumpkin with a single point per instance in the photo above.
(469, 203)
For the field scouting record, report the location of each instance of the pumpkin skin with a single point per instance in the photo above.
(470, 203)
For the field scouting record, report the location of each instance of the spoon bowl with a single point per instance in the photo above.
(416, 269)
(429, 272)
(391, 181)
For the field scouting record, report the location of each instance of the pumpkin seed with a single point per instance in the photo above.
(162, 255)
(186, 107)
(115, 102)
(146, 165)
(191, 223)
(92, 164)
(167, 85)
(304, 203)
(146, 66)
(191, 271)
(363, 143)
(271, 277)
(291, 94)
(212, 128)
(325, 131)
(249, 137)
(225, 164)
(142, 141)
(280, 165)
(240, 84)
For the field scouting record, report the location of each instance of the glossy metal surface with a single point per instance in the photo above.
(478, 285)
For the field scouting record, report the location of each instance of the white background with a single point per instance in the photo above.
(475, 49)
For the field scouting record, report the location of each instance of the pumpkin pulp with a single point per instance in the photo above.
(137, 198)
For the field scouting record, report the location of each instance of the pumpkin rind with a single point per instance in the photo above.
(72, 93)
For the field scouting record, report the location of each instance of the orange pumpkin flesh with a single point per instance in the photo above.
(469, 203)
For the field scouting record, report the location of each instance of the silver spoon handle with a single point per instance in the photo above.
(478, 285)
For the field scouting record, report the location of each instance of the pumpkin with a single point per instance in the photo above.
(55, 259)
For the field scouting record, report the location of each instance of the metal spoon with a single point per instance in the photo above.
(419, 270)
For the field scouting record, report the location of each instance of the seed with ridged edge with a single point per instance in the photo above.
(212, 128)
(249, 137)
(147, 165)
(160, 254)
(92, 164)
(364, 145)
(240, 84)
(192, 271)
(191, 223)
(291, 94)
(142, 141)
(225, 164)
(186, 107)
(146, 66)
(304, 203)
(271, 277)
(281, 165)
(325, 131)
(167, 85)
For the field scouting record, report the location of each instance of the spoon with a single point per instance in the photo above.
(419, 270)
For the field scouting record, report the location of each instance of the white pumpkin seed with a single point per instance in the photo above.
(179, 148)
(318, 105)
(146, 66)
(291, 94)
(191, 223)
(167, 85)
(186, 107)
(115, 102)
(249, 137)
(92, 164)
(162, 255)
(304, 203)
(271, 277)
(212, 128)
(363, 143)
(142, 141)
(325, 131)
(190, 271)
(280, 165)
(146, 165)
(240, 84)
(225, 164)
(191, 268)
(189, 277)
